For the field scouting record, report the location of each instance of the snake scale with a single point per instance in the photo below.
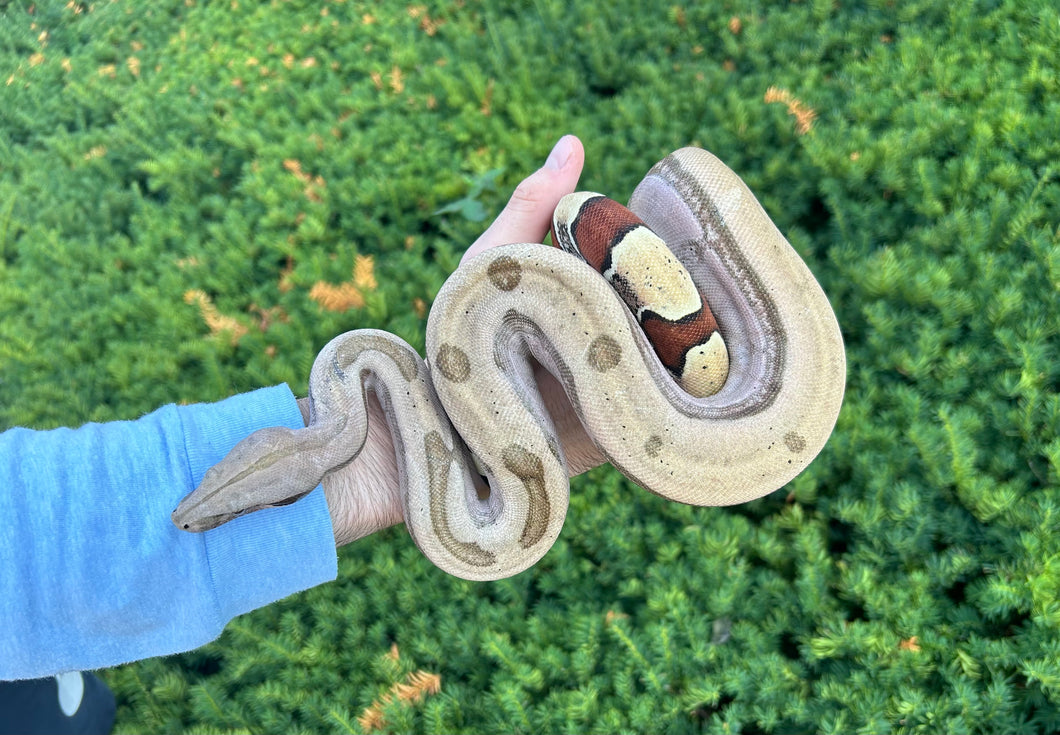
(772, 342)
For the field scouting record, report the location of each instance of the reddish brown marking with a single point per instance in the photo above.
(600, 225)
(672, 340)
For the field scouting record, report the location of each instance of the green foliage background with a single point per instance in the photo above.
(906, 582)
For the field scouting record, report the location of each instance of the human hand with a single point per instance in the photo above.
(365, 496)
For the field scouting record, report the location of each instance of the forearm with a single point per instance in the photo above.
(93, 571)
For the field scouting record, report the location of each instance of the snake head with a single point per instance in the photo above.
(269, 468)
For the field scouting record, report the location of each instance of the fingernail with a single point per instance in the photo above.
(557, 159)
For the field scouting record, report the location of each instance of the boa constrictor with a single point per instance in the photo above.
(516, 305)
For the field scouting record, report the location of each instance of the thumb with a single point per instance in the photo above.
(528, 214)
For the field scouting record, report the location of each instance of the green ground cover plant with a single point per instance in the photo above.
(195, 196)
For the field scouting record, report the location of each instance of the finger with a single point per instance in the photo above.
(528, 214)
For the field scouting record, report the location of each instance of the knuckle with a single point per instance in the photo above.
(527, 195)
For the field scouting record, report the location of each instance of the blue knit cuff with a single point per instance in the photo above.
(267, 555)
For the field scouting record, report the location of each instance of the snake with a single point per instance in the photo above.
(483, 474)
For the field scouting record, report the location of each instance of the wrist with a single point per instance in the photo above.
(364, 496)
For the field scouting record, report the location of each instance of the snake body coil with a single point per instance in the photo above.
(653, 283)
(763, 421)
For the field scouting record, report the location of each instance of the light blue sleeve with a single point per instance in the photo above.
(92, 571)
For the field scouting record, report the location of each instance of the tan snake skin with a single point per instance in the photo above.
(518, 304)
